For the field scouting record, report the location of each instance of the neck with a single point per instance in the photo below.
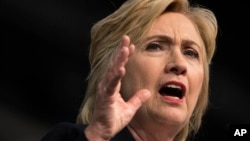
(152, 131)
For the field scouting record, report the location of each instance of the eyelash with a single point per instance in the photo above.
(192, 53)
(153, 47)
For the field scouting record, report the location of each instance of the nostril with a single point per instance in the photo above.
(173, 69)
(178, 70)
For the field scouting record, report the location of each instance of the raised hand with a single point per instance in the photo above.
(111, 112)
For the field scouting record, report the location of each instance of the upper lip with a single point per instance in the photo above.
(175, 83)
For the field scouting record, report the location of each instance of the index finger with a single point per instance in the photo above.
(116, 68)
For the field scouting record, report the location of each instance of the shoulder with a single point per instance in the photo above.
(65, 132)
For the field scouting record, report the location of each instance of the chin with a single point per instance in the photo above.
(174, 116)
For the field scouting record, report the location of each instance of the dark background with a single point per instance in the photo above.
(44, 61)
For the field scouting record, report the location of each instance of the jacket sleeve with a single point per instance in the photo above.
(66, 132)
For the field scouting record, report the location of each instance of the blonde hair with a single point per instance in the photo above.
(134, 18)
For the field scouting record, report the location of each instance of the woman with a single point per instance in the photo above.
(149, 73)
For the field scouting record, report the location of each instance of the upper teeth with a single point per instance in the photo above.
(174, 86)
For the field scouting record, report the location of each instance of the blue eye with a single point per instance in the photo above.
(191, 53)
(153, 47)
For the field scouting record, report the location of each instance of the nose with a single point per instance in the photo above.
(176, 63)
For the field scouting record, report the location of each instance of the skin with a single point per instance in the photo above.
(170, 52)
(107, 119)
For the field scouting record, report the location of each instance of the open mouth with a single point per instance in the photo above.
(174, 90)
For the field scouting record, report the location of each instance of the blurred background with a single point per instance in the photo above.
(44, 63)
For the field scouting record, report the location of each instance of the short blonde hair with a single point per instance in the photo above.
(134, 18)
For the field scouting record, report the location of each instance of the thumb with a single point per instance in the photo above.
(138, 98)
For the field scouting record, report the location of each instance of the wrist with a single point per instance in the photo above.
(95, 134)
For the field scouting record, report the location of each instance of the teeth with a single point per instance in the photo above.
(174, 97)
(174, 86)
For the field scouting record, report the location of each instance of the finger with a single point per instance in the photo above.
(126, 42)
(131, 49)
(116, 68)
(123, 53)
(138, 98)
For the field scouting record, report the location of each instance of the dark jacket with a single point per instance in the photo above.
(74, 132)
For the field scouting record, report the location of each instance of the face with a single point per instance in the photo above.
(168, 62)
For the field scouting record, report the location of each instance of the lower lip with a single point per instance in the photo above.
(172, 100)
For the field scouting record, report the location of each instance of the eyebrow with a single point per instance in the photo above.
(163, 38)
(167, 39)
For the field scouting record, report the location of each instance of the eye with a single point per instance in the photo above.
(191, 53)
(153, 47)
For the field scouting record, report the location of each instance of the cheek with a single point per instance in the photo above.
(195, 82)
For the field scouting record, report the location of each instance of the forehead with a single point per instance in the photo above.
(176, 26)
